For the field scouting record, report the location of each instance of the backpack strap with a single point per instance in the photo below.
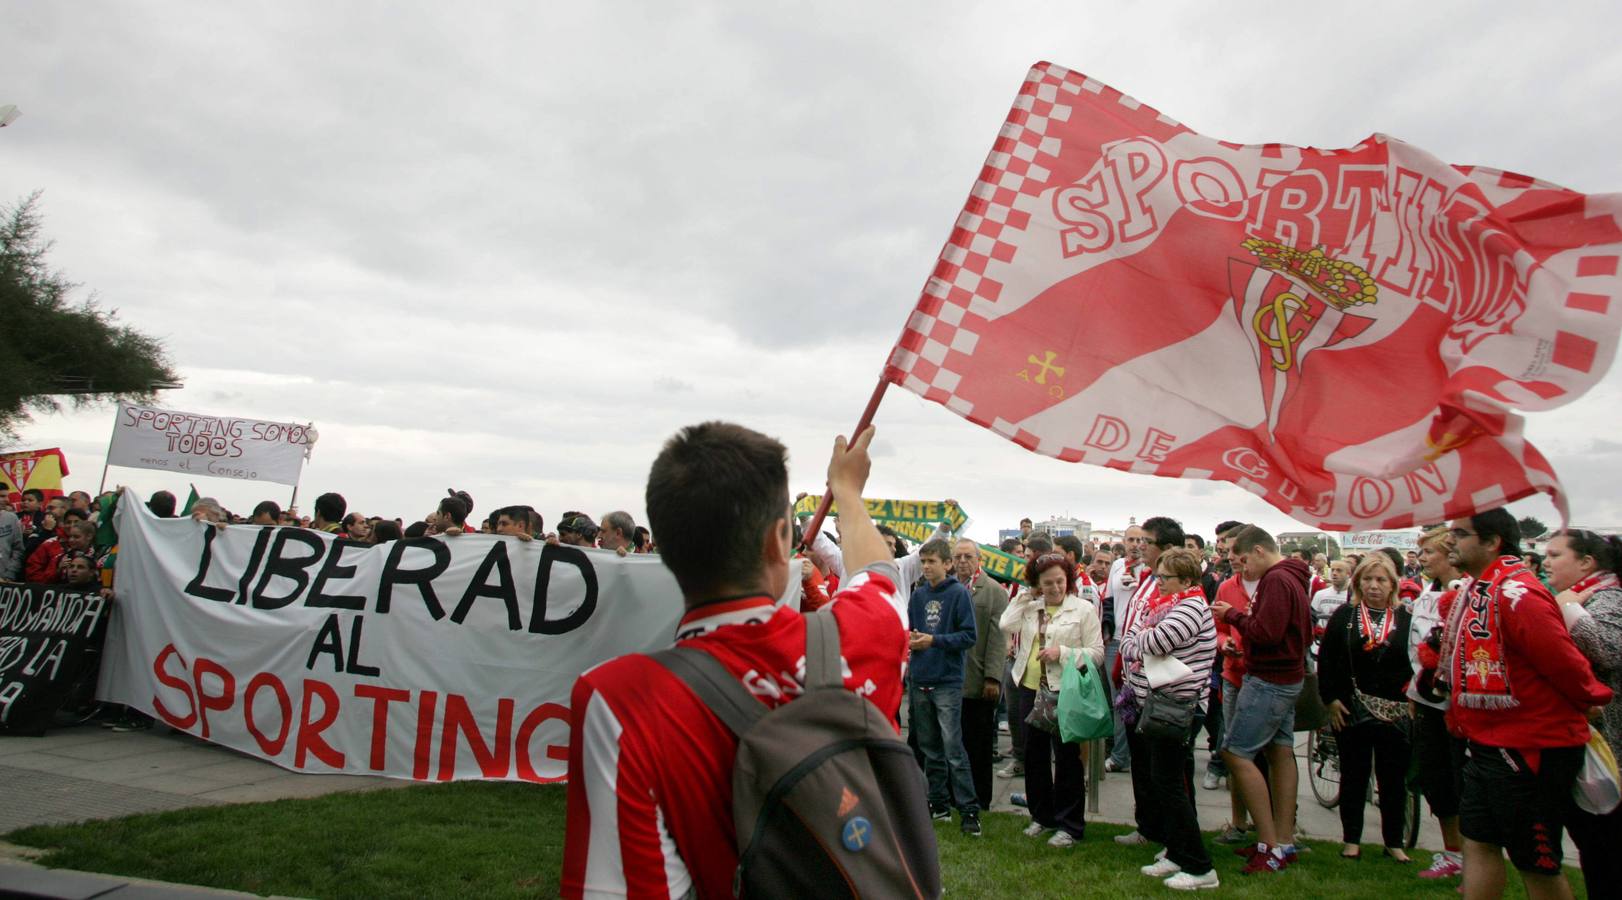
(737, 709)
(822, 668)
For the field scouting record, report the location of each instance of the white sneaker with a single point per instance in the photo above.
(1161, 869)
(1161, 854)
(1003, 726)
(1061, 839)
(1034, 829)
(1132, 839)
(1012, 770)
(1183, 881)
(1211, 781)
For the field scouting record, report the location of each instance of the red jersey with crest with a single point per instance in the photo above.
(650, 767)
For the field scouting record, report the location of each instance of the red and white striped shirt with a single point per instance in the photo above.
(650, 767)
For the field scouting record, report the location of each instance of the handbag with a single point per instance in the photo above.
(1084, 709)
(1044, 714)
(1166, 717)
(1391, 712)
(1598, 788)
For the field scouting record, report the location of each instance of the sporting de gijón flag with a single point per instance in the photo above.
(1345, 333)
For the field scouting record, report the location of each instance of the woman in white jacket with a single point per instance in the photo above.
(1053, 628)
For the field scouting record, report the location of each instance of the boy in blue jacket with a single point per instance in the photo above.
(941, 616)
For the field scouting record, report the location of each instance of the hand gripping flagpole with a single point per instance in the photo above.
(827, 495)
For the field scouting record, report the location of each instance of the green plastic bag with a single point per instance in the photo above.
(1084, 711)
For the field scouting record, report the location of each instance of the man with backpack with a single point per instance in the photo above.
(825, 798)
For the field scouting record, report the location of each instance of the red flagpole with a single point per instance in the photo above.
(827, 495)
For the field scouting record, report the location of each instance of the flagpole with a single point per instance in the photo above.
(107, 463)
(861, 425)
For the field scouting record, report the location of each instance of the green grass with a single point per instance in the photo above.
(491, 839)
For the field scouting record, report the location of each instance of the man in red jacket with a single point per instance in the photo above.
(1520, 693)
(1275, 632)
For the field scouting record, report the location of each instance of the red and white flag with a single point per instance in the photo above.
(1345, 333)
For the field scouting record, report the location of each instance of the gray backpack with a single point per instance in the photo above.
(827, 800)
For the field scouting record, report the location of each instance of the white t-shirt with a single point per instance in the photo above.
(1120, 593)
(1325, 602)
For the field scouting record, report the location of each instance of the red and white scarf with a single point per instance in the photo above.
(1148, 589)
(1374, 635)
(1477, 664)
(1601, 580)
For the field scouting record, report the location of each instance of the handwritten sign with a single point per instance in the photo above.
(145, 437)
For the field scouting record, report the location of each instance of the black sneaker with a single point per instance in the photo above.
(940, 813)
(971, 824)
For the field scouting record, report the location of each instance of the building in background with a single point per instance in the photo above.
(1057, 526)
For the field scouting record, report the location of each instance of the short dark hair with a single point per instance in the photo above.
(1395, 557)
(1035, 568)
(1228, 526)
(39, 495)
(456, 509)
(1040, 542)
(1069, 543)
(387, 530)
(899, 549)
(331, 506)
(713, 492)
(270, 508)
(937, 548)
(1498, 523)
(1008, 544)
(1198, 541)
(71, 514)
(416, 530)
(1250, 537)
(162, 505)
(1164, 531)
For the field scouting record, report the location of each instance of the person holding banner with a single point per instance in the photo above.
(650, 766)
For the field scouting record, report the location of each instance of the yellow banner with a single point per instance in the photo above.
(890, 512)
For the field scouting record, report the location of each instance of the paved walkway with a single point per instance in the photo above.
(90, 773)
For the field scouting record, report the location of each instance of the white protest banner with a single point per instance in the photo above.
(428, 659)
(146, 437)
(1369, 540)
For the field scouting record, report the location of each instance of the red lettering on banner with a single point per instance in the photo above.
(1078, 206)
(309, 738)
(1290, 208)
(1369, 497)
(422, 753)
(381, 697)
(1138, 165)
(182, 723)
(1156, 444)
(1210, 187)
(493, 763)
(205, 701)
(283, 702)
(1430, 477)
(526, 732)
(1248, 461)
(1109, 434)
(1401, 268)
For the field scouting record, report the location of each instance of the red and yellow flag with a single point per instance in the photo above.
(42, 469)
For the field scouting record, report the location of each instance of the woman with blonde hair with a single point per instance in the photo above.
(1363, 669)
(1055, 628)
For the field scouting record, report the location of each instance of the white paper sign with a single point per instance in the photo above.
(146, 437)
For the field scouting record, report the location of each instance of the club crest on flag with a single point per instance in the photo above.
(1293, 303)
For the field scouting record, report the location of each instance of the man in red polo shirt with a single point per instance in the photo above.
(650, 767)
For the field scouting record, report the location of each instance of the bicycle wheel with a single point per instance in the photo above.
(1323, 767)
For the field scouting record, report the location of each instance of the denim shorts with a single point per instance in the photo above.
(1264, 714)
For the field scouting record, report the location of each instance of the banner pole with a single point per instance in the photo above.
(107, 463)
(815, 525)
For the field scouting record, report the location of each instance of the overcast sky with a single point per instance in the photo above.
(511, 248)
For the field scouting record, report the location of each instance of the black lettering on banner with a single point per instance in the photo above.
(554, 553)
(197, 588)
(394, 574)
(293, 568)
(258, 553)
(352, 661)
(332, 569)
(503, 589)
(328, 640)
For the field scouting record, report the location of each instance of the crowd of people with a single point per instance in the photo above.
(1460, 661)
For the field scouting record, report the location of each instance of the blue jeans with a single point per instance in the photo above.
(1264, 714)
(1120, 753)
(937, 719)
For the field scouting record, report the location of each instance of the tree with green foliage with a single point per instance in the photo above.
(52, 347)
(1531, 528)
